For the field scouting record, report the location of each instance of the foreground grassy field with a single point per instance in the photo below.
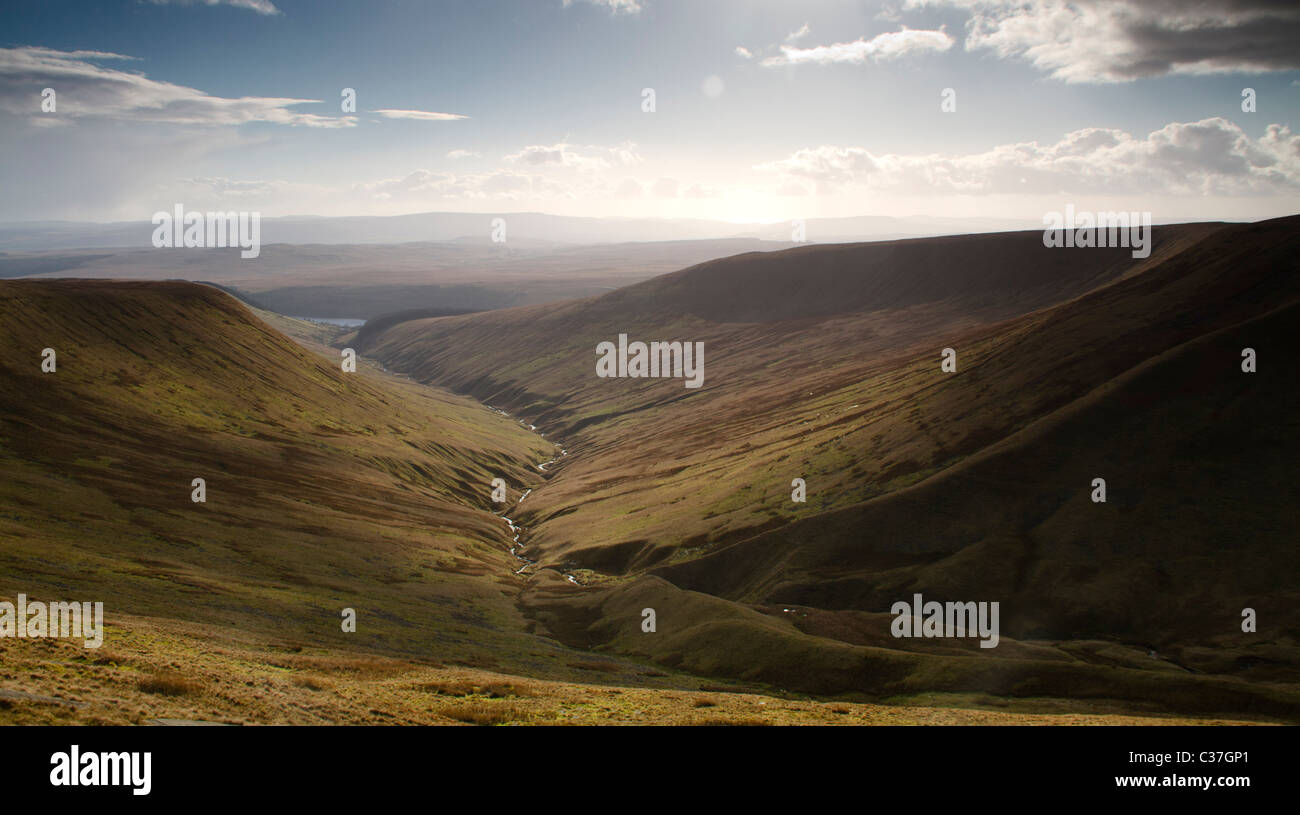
(159, 672)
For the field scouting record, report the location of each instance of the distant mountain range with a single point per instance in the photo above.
(521, 227)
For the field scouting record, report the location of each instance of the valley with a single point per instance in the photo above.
(372, 491)
(971, 487)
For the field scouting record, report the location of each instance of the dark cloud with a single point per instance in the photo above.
(1116, 41)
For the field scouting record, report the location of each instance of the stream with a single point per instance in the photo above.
(517, 532)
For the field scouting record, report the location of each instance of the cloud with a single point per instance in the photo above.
(229, 187)
(544, 176)
(459, 154)
(881, 48)
(422, 115)
(563, 155)
(664, 188)
(698, 190)
(1116, 41)
(615, 6)
(260, 6)
(1210, 157)
(219, 192)
(799, 34)
(84, 89)
(430, 184)
(743, 52)
(625, 154)
(539, 183)
(790, 186)
(558, 155)
(629, 188)
(890, 12)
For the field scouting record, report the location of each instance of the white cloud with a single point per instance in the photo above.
(221, 187)
(459, 154)
(432, 185)
(698, 190)
(799, 34)
(508, 184)
(629, 188)
(564, 155)
(85, 89)
(1209, 157)
(260, 6)
(664, 188)
(791, 187)
(882, 47)
(558, 155)
(1117, 41)
(421, 115)
(625, 154)
(743, 52)
(545, 178)
(615, 6)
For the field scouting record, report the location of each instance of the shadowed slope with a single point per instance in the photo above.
(965, 486)
(835, 400)
(1198, 524)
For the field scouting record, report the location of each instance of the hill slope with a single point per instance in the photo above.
(325, 489)
(822, 363)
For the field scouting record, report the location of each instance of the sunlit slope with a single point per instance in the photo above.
(325, 490)
(832, 383)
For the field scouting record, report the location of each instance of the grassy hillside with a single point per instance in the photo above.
(831, 383)
(325, 489)
(329, 490)
(823, 363)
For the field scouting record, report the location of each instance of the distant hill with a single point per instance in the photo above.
(527, 229)
(363, 281)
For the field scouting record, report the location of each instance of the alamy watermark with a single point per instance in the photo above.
(1100, 229)
(655, 359)
(91, 769)
(935, 619)
(213, 230)
(36, 620)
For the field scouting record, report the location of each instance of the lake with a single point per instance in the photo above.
(346, 322)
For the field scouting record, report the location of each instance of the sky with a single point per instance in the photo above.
(762, 110)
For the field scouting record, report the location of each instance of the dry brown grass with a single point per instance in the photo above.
(492, 690)
(313, 683)
(483, 713)
(170, 683)
(592, 665)
(237, 680)
(733, 721)
(371, 667)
